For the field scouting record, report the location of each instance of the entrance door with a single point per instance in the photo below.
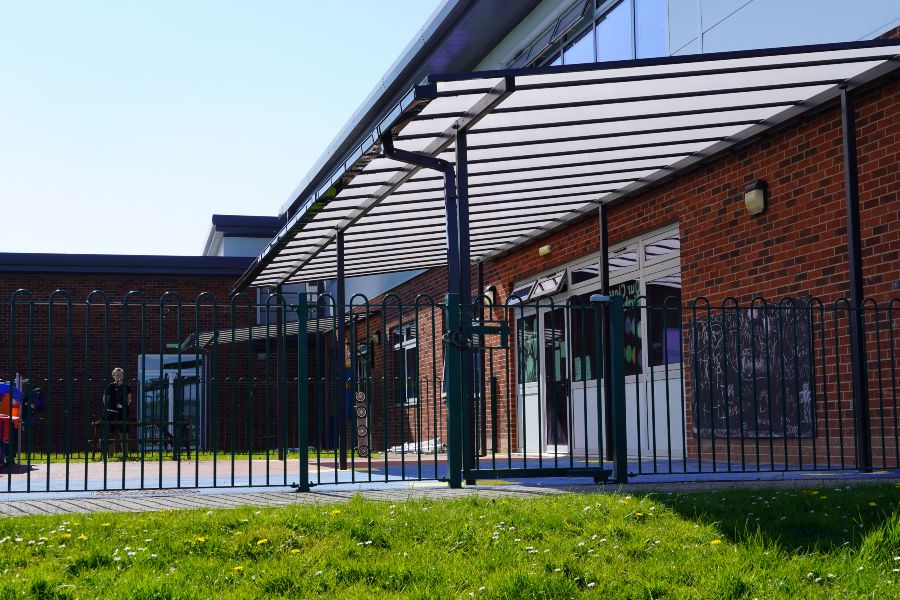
(543, 390)
(169, 394)
(555, 380)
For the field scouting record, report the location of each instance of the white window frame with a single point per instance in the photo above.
(406, 343)
(643, 271)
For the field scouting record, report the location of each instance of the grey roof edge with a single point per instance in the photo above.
(260, 226)
(123, 264)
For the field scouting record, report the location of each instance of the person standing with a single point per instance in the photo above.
(117, 402)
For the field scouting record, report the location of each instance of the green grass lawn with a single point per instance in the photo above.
(827, 543)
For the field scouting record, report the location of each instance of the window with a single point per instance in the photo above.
(617, 30)
(406, 364)
(521, 293)
(662, 248)
(664, 320)
(613, 33)
(529, 348)
(549, 285)
(584, 317)
(623, 260)
(630, 290)
(645, 272)
(649, 28)
(583, 273)
(580, 51)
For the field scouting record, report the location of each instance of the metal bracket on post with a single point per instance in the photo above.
(614, 321)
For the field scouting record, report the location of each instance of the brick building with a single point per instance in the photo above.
(646, 194)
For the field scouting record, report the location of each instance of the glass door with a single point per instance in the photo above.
(528, 391)
(555, 379)
(170, 393)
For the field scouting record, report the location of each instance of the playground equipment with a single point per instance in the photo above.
(10, 419)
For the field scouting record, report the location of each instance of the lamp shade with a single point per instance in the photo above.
(755, 197)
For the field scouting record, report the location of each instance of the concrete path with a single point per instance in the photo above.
(12, 505)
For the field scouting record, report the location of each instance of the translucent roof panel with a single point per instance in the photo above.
(546, 146)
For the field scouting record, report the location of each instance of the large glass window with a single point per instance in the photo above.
(617, 30)
(613, 33)
(580, 51)
(650, 28)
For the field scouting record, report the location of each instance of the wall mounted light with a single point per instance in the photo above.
(544, 250)
(755, 197)
(376, 338)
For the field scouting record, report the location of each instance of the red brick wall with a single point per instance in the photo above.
(71, 357)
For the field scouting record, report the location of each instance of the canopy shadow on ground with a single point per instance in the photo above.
(816, 520)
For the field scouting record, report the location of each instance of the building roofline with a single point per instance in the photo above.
(250, 226)
(197, 266)
(432, 43)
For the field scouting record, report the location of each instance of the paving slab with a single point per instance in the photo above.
(25, 504)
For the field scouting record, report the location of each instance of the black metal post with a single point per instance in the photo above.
(280, 392)
(604, 330)
(857, 332)
(457, 355)
(465, 299)
(481, 376)
(341, 379)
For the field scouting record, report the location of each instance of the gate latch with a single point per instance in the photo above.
(457, 338)
(485, 328)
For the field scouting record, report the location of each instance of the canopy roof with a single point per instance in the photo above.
(546, 146)
(268, 331)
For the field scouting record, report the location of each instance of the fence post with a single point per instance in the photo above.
(454, 393)
(616, 323)
(302, 394)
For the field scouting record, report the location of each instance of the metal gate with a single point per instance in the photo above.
(539, 379)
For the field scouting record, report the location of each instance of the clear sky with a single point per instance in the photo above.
(124, 125)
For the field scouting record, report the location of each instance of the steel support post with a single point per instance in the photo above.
(616, 325)
(604, 331)
(340, 353)
(465, 300)
(481, 375)
(457, 347)
(302, 394)
(857, 323)
(280, 393)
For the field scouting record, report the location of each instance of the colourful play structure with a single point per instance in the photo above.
(10, 419)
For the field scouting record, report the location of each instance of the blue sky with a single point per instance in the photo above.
(125, 125)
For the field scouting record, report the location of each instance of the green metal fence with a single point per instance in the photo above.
(304, 391)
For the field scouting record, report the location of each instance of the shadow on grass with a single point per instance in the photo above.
(806, 520)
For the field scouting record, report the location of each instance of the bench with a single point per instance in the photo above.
(142, 433)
